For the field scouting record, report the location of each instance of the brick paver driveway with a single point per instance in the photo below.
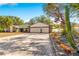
(32, 44)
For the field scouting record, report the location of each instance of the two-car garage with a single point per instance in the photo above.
(39, 28)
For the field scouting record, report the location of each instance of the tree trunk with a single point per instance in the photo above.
(69, 35)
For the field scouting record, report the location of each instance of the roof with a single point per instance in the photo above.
(21, 26)
(40, 25)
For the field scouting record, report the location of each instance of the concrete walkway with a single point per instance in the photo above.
(28, 44)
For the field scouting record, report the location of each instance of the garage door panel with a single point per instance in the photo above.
(45, 30)
(35, 30)
(38, 30)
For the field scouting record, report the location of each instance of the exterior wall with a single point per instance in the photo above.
(40, 30)
(11, 28)
(45, 30)
(35, 30)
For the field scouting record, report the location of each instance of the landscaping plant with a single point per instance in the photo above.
(69, 35)
(63, 13)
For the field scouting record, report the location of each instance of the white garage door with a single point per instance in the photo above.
(38, 30)
(35, 30)
(45, 30)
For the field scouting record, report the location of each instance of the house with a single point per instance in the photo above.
(35, 28)
(20, 28)
(39, 28)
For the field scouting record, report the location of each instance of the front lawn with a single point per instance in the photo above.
(4, 34)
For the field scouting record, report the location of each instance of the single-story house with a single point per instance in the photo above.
(35, 28)
(40, 28)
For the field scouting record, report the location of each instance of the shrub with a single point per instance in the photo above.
(1, 29)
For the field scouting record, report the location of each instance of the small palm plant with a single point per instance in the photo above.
(68, 29)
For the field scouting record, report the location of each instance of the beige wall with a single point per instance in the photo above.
(34, 29)
(44, 30)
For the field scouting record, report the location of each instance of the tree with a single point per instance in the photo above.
(54, 10)
(16, 20)
(42, 19)
(57, 11)
(7, 21)
(32, 21)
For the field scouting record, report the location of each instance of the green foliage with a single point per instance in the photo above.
(32, 21)
(1, 29)
(63, 32)
(42, 19)
(7, 21)
(68, 29)
(75, 5)
(16, 20)
(57, 11)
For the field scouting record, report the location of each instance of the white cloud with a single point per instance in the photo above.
(13, 4)
(3, 3)
(27, 20)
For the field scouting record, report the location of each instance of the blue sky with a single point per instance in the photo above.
(25, 11)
